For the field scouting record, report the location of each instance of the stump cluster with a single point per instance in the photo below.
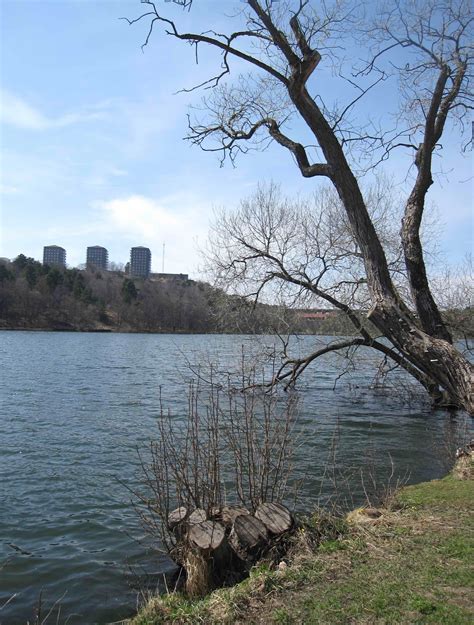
(220, 546)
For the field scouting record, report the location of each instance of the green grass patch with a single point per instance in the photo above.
(446, 492)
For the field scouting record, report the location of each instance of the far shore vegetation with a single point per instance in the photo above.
(34, 296)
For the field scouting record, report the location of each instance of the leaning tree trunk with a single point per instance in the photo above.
(430, 351)
(435, 357)
(438, 358)
(428, 312)
(441, 101)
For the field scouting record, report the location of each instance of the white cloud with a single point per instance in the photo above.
(179, 221)
(6, 189)
(141, 216)
(16, 111)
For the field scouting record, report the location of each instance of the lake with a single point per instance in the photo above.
(75, 407)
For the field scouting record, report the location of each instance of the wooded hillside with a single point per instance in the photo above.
(37, 296)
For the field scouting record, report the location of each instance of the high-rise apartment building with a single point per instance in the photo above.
(54, 255)
(97, 258)
(140, 262)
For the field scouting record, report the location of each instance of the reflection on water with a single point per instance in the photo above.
(74, 408)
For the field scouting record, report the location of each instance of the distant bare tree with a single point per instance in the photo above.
(427, 44)
(454, 290)
(303, 253)
(118, 267)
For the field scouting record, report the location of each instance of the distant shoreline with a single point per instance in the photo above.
(129, 330)
(141, 331)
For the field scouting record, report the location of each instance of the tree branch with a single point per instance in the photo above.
(299, 152)
(196, 38)
(293, 368)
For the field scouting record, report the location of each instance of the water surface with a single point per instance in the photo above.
(74, 408)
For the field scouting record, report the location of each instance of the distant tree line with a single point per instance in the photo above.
(33, 295)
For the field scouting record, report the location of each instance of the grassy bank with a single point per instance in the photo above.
(411, 565)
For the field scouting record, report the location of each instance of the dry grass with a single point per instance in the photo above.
(464, 468)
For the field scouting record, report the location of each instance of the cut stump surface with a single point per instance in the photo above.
(276, 518)
(177, 516)
(247, 536)
(198, 516)
(207, 535)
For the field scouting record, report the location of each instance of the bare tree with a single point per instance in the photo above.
(303, 253)
(454, 290)
(427, 44)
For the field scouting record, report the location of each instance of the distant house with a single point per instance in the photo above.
(317, 314)
(54, 255)
(97, 258)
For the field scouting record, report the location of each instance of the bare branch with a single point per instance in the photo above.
(299, 152)
(196, 38)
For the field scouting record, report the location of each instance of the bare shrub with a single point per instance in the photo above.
(233, 447)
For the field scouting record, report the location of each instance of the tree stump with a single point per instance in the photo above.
(206, 535)
(198, 574)
(276, 518)
(176, 521)
(198, 516)
(205, 557)
(230, 513)
(248, 536)
(219, 546)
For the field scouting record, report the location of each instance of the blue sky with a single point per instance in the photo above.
(92, 149)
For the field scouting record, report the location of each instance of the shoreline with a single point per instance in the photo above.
(141, 331)
(410, 565)
(166, 331)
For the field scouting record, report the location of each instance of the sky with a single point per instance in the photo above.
(92, 148)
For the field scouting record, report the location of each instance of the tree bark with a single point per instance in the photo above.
(205, 557)
(436, 357)
(428, 312)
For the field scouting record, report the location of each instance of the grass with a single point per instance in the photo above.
(412, 565)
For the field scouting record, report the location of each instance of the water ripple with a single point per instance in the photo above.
(73, 409)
